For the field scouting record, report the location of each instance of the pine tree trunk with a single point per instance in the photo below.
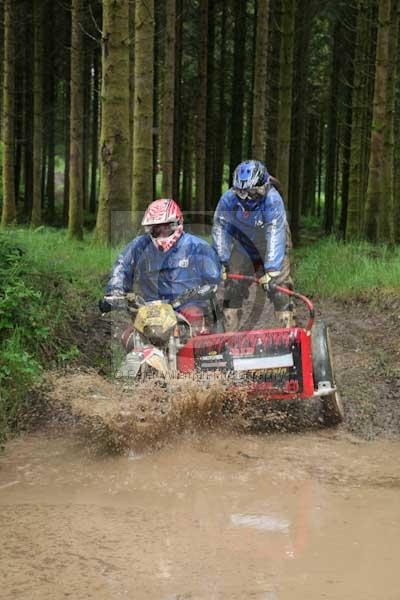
(201, 112)
(95, 132)
(355, 198)
(285, 93)
(36, 218)
(178, 118)
(299, 120)
(131, 82)
(142, 185)
(221, 125)
(379, 208)
(332, 132)
(51, 112)
(236, 142)
(273, 77)
(28, 120)
(168, 100)
(211, 140)
(87, 65)
(114, 142)
(75, 212)
(8, 216)
(260, 78)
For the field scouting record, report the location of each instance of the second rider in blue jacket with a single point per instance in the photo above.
(251, 237)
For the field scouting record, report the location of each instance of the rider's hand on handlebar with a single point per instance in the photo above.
(111, 301)
(268, 281)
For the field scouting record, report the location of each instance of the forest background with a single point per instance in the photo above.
(110, 104)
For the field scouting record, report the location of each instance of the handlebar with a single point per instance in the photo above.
(282, 290)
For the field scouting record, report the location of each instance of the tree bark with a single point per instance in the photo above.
(331, 150)
(236, 142)
(142, 185)
(168, 100)
(51, 112)
(260, 79)
(75, 213)
(379, 207)
(95, 132)
(221, 124)
(114, 142)
(202, 112)
(285, 93)
(8, 216)
(178, 118)
(36, 218)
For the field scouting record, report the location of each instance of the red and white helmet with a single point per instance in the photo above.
(163, 220)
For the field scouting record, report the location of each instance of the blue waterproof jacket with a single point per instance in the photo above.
(256, 228)
(190, 263)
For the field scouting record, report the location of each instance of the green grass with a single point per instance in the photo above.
(333, 269)
(48, 283)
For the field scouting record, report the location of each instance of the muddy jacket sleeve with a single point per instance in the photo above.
(221, 231)
(122, 274)
(275, 231)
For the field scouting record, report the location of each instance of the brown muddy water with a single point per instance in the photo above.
(208, 517)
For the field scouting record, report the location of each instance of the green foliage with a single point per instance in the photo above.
(341, 270)
(46, 282)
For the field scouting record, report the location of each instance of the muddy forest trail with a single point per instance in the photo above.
(212, 512)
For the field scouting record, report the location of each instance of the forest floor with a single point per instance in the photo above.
(120, 415)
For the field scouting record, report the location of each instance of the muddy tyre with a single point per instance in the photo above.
(332, 408)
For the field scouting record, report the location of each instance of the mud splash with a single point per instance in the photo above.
(120, 417)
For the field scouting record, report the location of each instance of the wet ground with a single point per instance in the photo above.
(199, 508)
(209, 516)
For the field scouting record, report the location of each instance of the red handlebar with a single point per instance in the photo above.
(282, 290)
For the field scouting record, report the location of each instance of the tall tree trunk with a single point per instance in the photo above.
(360, 83)
(168, 100)
(114, 143)
(36, 218)
(51, 112)
(28, 120)
(201, 112)
(87, 76)
(221, 125)
(331, 163)
(142, 185)
(95, 131)
(211, 140)
(260, 78)
(299, 116)
(9, 207)
(273, 77)
(75, 213)
(131, 82)
(178, 118)
(379, 208)
(236, 145)
(285, 93)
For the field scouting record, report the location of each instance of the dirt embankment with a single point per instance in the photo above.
(366, 346)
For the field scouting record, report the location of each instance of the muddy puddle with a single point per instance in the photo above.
(225, 517)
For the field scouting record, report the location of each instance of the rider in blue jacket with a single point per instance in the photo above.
(165, 261)
(251, 236)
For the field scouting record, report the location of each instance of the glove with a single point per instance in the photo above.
(268, 281)
(104, 305)
(111, 301)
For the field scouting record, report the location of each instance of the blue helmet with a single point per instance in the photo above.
(250, 176)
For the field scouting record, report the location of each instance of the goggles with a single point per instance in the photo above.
(253, 193)
(162, 230)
